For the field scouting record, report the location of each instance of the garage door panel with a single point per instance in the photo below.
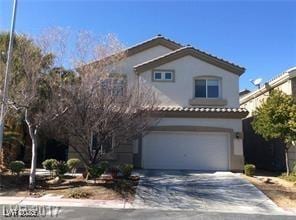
(185, 150)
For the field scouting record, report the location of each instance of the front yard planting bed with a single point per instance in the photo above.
(282, 192)
(290, 178)
(70, 187)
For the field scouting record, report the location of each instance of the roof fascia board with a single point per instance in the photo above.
(191, 52)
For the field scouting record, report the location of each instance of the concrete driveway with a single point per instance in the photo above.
(214, 192)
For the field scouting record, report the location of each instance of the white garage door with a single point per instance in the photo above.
(186, 150)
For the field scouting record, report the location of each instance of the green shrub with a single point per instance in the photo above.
(250, 169)
(126, 170)
(95, 171)
(104, 165)
(79, 194)
(50, 165)
(61, 168)
(290, 178)
(16, 167)
(73, 163)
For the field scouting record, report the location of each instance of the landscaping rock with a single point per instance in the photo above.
(54, 181)
(267, 181)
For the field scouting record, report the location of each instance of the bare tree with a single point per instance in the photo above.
(92, 100)
(100, 105)
(34, 96)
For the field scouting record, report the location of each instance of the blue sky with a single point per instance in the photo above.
(258, 35)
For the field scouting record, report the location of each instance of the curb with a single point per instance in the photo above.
(62, 202)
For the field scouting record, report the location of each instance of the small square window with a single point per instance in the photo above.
(157, 76)
(168, 76)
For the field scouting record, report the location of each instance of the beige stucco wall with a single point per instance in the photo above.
(253, 103)
(179, 92)
(234, 124)
(286, 87)
(120, 155)
(126, 66)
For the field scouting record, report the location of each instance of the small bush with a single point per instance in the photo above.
(73, 163)
(61, 168)
(50, 165)
(79, 194)
(95, 171)
(126, 170)
(250, 169)
(104, 165)
(290, 178)
(16, 167)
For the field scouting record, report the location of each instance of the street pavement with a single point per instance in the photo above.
(87, 213)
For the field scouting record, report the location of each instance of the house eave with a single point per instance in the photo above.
(189, 51)
(284, 77)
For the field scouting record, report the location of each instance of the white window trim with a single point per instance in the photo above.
(163, 79)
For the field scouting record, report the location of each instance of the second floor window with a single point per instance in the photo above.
(207, 88)
(114, 86)
(163, 75)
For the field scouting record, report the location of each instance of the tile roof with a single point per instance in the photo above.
(173, 45)
(200, 109)
(189, 50)
(273, 83)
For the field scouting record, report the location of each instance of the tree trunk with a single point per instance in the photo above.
(287, 161)
(33, 161)
(1, 133)
(33, 136)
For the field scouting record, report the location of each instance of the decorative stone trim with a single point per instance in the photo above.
(207, 102)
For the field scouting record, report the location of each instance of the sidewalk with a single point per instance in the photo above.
(62, 202)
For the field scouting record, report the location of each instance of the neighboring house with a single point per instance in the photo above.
(200, 126)
(266, 154)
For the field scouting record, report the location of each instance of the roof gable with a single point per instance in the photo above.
(156, 41)
(153, 42)
(185, 51)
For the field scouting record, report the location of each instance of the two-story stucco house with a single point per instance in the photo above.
(200, 126)
(266, 154)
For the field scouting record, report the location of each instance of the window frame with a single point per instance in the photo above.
(206, 78)
(115, 86)
(163, 75)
